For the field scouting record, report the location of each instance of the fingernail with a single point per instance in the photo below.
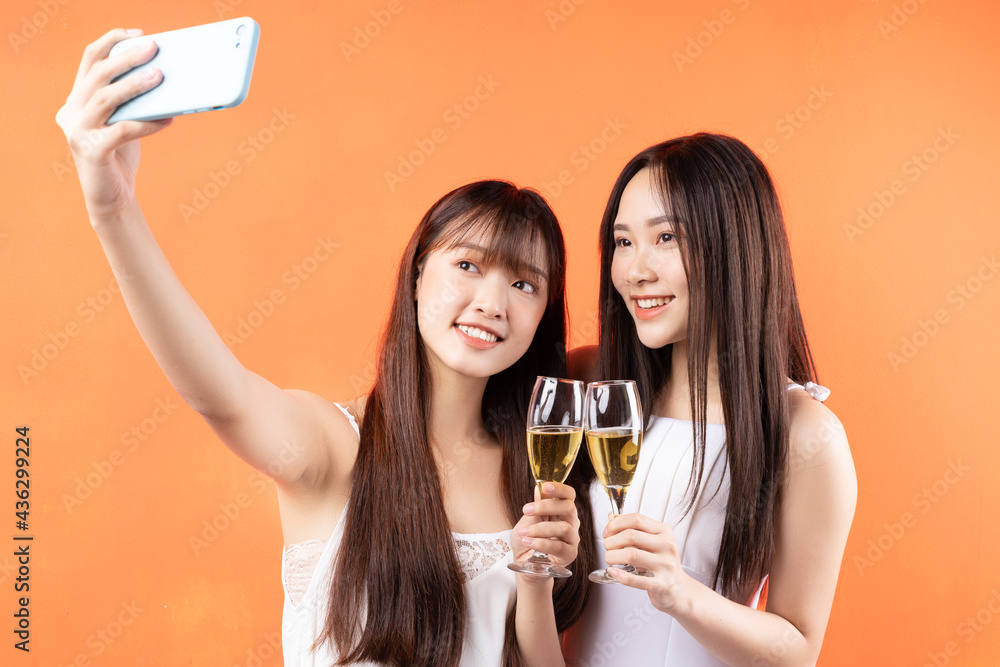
(134, 31)
(549, 488)
(150, 74)
(522, 531)
(529, 508)
(526, 541)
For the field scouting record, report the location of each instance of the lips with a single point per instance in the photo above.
(478, 337)
(476, 332)
(652, 302)
(648, 307)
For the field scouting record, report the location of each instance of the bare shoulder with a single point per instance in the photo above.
(337, 435)
(816, 436)
(581, 363)
(818, 501)
(313, 405)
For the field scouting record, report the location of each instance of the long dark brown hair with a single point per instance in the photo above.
(397, 594)
(742, 293)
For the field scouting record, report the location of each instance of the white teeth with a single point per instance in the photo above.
(653, 303)
(478, 333)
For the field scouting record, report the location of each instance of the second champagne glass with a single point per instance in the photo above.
(613, 424)
(554, 437)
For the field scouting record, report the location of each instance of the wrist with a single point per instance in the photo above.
(687, 596)
(106, 220)
(533, 586)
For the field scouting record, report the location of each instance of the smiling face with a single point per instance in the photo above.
(476, 316)
(647, 268)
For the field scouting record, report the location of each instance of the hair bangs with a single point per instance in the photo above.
(511, 233)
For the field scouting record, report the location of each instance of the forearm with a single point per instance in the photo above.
(535, 624)
(739, 635)
(178, 334)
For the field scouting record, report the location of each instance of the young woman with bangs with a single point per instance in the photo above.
(745, 488)
(401, 509)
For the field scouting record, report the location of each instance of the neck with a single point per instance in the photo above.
(674, 399)
(454, 413)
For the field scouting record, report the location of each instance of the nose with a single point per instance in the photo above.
(642, 267)
(491, 297)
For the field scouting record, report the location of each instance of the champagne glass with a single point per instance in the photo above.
(554, 437)
(612, 420)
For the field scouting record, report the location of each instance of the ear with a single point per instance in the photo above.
(416, 284)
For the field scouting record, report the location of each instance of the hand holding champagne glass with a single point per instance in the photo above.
(613, 423)
(554, 437)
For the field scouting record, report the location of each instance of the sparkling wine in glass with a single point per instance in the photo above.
(613, 424)
(554, 436)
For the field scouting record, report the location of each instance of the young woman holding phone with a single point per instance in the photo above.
(745, 486)
(397, 507)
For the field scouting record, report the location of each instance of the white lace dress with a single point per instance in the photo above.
(306, 569)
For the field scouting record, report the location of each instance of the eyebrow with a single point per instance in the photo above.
(519, 265)
(652, 222)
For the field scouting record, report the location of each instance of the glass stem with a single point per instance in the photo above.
(539, 555)
(617, 496)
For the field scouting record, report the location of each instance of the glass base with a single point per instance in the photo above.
(539, 565)
(603, 577)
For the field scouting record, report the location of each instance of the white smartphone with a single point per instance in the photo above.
(205, 67)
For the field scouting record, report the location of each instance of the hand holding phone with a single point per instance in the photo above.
(204, 67)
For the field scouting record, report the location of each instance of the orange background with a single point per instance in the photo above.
(115, 579)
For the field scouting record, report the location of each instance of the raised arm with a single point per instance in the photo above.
(291, 436)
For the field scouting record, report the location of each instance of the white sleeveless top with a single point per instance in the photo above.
(620, 626)
(307, 568)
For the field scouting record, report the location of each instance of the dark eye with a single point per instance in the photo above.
(622, 243)
(667, 237)
(466, 265)
(525, 286)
